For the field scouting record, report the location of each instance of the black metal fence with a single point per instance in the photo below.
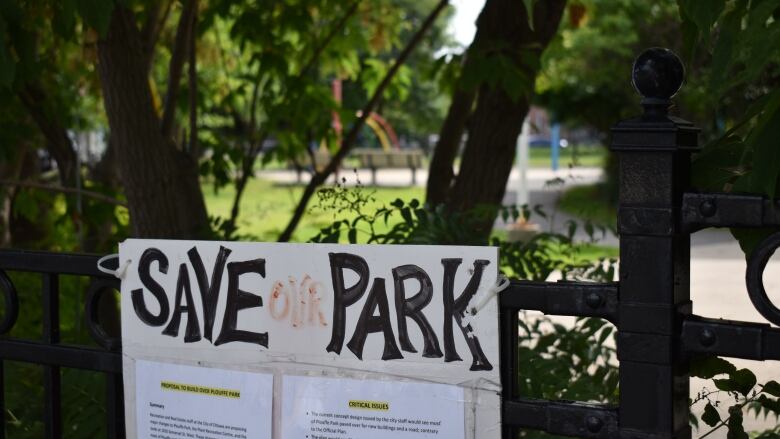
(48, 351)
(650, 305)
(657, 334)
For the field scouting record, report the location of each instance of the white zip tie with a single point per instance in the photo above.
(119, 273)
(501, 284)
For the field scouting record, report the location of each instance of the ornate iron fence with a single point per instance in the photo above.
(48, 351)
(650, 305)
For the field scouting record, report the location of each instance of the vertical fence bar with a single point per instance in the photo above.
(654, 152)
(52, 380)
(115, 414)
(2, 398)
(509, 362)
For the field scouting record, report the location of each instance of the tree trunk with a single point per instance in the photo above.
(161, 182)
(176, 64)
(10, 169)
(440, 172)
(498, 117)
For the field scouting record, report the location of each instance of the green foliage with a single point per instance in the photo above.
(497, 69)
(269, 96)
(567, 362)
(586, 68)
(741, 381)
(83, 403)
(702, 13)
(741, 38)
(741, 386)
(710, 416)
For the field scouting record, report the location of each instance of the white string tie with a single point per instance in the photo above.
(472, 309)
(119, 273)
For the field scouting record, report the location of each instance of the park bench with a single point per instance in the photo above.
(375, 159)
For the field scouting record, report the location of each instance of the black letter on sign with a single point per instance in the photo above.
(237, 300)
(192, 333)
(369, 323)
(209, 292)
(343, 296)
(139, 304)
(456, 308)
(412, 307)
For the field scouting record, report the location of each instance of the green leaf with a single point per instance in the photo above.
(771, 405)
(690, 34)
(769, 434)
(96, 13)
(702, 12)
(708, 367)
(64, 19)
(742, 381)
(766, 155)
(723, 55)
(772, 388)
(710, 416)
(529, 10)
(26, 206)
(352, 235)
(750, 238)
(604, 335)
(735, 428)
(406, 213)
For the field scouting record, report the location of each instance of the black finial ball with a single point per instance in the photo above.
(658, 73)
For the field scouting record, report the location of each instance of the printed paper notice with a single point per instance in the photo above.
(175, 401)
(326, 408)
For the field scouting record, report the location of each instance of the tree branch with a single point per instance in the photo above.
(331, 35)
(151, 30)
(176, 65)
(256, 140)
(193, 91)
(58, 143)
(348, 141)
(66, 190)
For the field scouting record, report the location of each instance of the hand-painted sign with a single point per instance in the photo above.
(339, 311)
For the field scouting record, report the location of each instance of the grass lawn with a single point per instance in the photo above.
(267, 207)
(583, 155)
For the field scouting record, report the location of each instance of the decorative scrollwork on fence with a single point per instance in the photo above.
(754, 278)
(11, 299)
(97, 288)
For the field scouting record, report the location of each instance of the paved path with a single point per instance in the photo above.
(717, 263)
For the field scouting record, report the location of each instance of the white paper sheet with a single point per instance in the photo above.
(326, 408)
(176, 401)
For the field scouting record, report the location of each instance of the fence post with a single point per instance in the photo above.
(654, 152)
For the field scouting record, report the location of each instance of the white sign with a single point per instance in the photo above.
(175, 401)
(340, 311)
(320, 408)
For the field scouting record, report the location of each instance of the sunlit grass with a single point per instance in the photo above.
(267, 207)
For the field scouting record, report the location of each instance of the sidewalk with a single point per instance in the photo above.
(403, 177)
